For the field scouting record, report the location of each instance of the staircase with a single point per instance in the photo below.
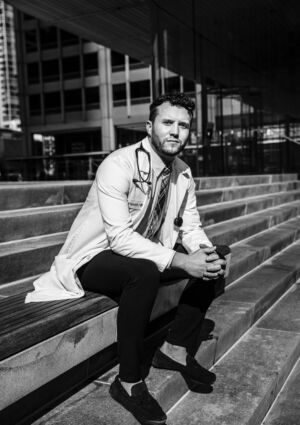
(256, 341)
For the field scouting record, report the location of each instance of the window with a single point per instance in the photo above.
(68, 39)
(30, 41)
(117, 61)
(27, 17)
(136, 64)
(71, 67)
(35, 104)
(52, 103)
(188, 85)
(172, 84)
(90, 64)
(50, 70)
(48, 37)
(119, 94)
(140, 90)
(73, 100)
(92, 97)
(33, 73)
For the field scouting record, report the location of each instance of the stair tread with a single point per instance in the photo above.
(28, 244)
(248, 378)
(38, 210)
(286, 409)
(24, 325)
(282, 184)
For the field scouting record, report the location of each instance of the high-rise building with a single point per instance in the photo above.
(82, 95)
(9, 100)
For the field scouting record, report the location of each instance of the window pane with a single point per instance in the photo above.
(117, 61)
(172, 84)
(140, 89)
(48, 37)
(188, 85)
(68, 39)
(35, 104)
(90, 64)
(71, 67)
(73, 100)
(50, 70)
(119, 94)
(31, 41)
(33, 73)
(52, 103)
(92, 97)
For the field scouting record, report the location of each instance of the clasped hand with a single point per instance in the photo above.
(206, 263)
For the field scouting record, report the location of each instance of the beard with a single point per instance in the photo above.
(168, 147)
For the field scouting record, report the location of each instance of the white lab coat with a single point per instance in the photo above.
(110, 219)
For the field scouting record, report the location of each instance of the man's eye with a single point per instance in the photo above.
(184, 125)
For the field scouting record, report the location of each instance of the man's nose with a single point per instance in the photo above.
(174, 129)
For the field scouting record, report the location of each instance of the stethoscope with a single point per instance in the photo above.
(146, 178)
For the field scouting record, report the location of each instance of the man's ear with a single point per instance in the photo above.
(149, 128)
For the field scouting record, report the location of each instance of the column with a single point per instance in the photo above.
(106, 99)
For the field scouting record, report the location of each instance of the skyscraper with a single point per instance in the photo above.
(9, 101)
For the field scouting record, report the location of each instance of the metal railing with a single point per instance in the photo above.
(247, 156)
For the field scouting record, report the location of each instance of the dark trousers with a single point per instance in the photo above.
(134, 284)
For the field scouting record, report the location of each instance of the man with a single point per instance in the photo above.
(122, 245)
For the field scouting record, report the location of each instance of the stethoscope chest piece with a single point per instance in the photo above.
(178, 221)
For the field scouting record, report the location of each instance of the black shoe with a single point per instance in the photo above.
(141, 403)
(192, 370)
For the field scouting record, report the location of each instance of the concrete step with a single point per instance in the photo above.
(29, 222)
(17, 262)
(251, 252)
(37, 194)
(27, 257)
(96, 334)
(286, 408)
(251, 374)
(226, 181)
(30, 195)
(215, 213)
(234, 230)
(273, 349)
(211, 196)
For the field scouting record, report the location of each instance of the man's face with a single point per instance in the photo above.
(170, 130)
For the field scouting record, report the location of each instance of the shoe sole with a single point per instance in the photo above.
(185, 375)
(144, 422)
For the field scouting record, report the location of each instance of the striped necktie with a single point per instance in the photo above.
(157, 213)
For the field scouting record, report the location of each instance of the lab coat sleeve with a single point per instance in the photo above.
(192, 233)
(113, 180)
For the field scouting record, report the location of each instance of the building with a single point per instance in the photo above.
(9, 96)
(78, 96)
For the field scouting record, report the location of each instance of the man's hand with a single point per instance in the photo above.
(213, 258)
(196, 264)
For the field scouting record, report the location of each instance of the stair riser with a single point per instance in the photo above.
(255, 225)
(21, 265)
(20, 226)
(215, 182)
(26, 226)
(226, 212)
(29, 197)
(229, 194)
(28, 263)
(36, 196)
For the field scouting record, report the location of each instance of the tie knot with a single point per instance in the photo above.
(167, 170)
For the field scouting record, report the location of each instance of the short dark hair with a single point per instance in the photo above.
(175, 99)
